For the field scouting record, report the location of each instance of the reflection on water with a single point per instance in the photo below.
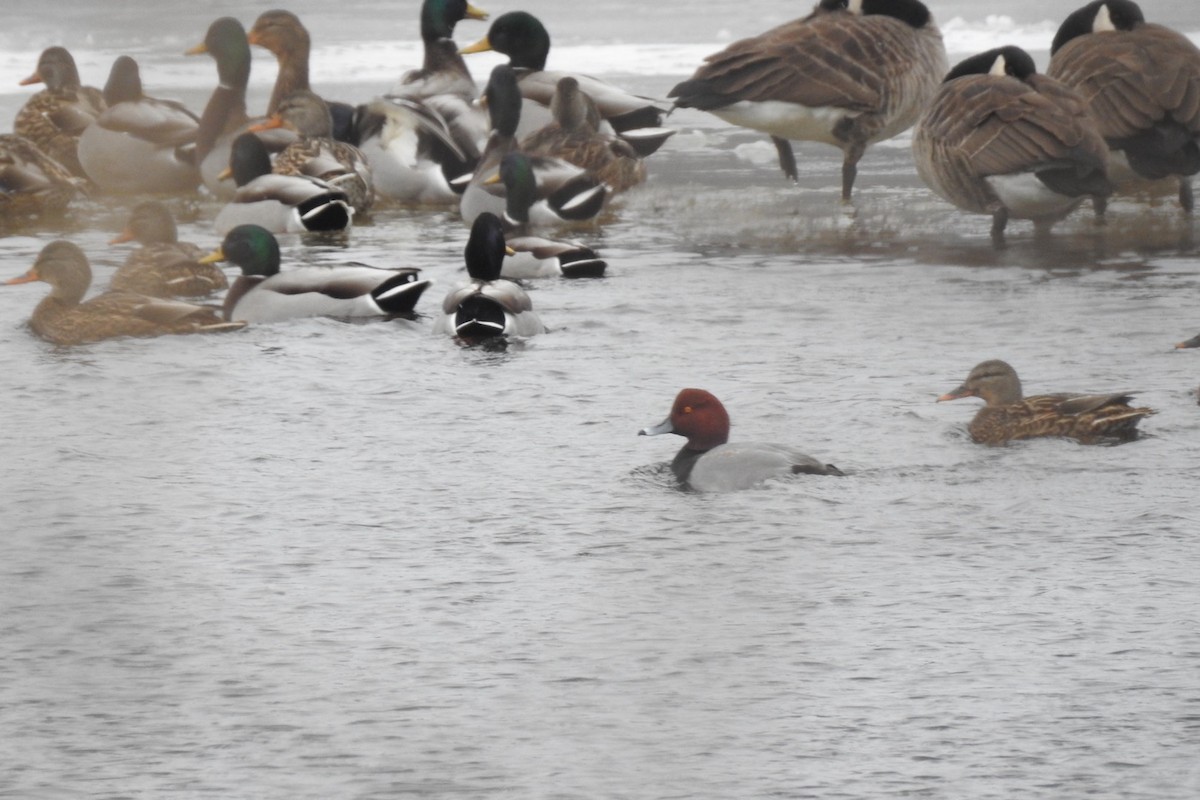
(315, 560)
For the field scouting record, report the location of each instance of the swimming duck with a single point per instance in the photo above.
(139, 144)
(1141, 82)
(55, 118)
(566, 192)
(316, 153)
(852, 73)
(163, 266)
(224, 117)
(708, 463)
(536, 256)
(524, 39)
(1000, 139)
(283, 35)
(279, 203)
(32, 183)
(487, 306)
(264, 294)
(574, 135)
(1009, 415)
(62, 319)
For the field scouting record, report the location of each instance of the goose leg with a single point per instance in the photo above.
(787, 159)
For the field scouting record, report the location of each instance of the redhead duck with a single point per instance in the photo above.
(850, 74)
(1141, 82)
(163, 266)
(1000, 139)
(1009, 415)
(61, 318)
(524, 39)
(708, 463)
(264, 294)
(488, 307)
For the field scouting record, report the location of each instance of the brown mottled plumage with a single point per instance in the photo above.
(1141, 82)
(57, 116)
(32, 183)
(163, 266)
(1008, 415)
(62, 319)
(574, 135)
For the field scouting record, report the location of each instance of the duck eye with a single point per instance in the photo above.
(687, 409)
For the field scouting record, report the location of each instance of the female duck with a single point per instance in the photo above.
(264, 294)
(1141, 82)
(536, 256)
(32, 183)
(163, 266)
(488, 306)
(55, 118)
(316, 153)
(62, 319)
(852, 73)
(708, 463)
(139, 144)
(279, 203)
(1000, 139)
(523, 38)
(1008, 415)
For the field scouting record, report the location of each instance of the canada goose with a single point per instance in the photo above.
(1141, 82)
(1000, 139)
(851, 73)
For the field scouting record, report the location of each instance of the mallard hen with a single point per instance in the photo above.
(162, 266)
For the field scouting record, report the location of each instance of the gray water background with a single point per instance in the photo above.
(321, 560)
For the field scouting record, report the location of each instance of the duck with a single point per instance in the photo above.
(225, 117)
(423, 138)
(262, 293)
(524, 39)
(279, 203)
(534, 256)
(163, 266)
(283, 35)
(574, 135)
(850, 74)
(32, 183)
(1141, 82)
(55, 118)
(998, 138)
(709, 463)
(139, 144)
(316, 153)
(488, 306)
(1009, 415)
(567, 193)
(62, 319)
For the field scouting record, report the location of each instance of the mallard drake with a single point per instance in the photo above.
(163, 266)
(224, 117)
(1009, 415)
(852, 73)
(708, 463)
(264, 294)
(32, 183)
(536, 256)
(1000, 139)
(316, 153)
(279, 203)
(55, 118)
(574, 135)
(1141, 82)
(487, 306)
(62, 319)
(443, 71)
(524, 39)
(283, 35)
(139, 144)
(566, 192)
